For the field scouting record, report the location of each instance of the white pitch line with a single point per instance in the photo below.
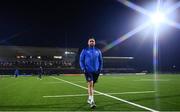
(140, 92)
(119, 99)
(152, 80)
(65, 95)
(64, 82)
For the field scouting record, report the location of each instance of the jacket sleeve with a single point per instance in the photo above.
(100, 61)
(82, 60)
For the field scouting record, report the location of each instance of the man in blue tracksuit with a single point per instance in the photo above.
(91, 63)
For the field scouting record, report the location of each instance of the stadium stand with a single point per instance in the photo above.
(29, 59)
(54, 61)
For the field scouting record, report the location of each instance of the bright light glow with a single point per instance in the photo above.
(157, 18)
(126, 36)
(69, 52)
(173, 8)
(39, 57)
(57, 57)
(135, 7)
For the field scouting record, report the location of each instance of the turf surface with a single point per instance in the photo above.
(26, 93)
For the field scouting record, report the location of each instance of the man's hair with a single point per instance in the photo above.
(91, 38)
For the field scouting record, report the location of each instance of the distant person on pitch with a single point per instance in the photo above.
(91, 63)
(40, 72)
(16, 73)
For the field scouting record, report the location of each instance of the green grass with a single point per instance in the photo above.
(26, 93)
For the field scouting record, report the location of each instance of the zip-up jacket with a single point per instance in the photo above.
(91, 60)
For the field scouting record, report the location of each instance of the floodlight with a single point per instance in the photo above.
(157, 18)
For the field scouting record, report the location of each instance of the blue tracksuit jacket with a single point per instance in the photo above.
(91, 60)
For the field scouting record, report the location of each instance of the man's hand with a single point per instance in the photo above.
(98, 71)
(84, 71)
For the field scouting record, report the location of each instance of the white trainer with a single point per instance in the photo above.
(93, 105)
(89, 101)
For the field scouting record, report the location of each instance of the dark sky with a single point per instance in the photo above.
(69, 23)
(62, 23)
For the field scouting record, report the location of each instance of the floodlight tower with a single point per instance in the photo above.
(156, 18)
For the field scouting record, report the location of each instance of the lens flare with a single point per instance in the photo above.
(125, 37)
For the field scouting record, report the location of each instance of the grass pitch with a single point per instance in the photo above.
(28, 93)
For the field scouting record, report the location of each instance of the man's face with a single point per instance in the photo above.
(91, 42)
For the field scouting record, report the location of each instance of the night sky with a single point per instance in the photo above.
(69, 23)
